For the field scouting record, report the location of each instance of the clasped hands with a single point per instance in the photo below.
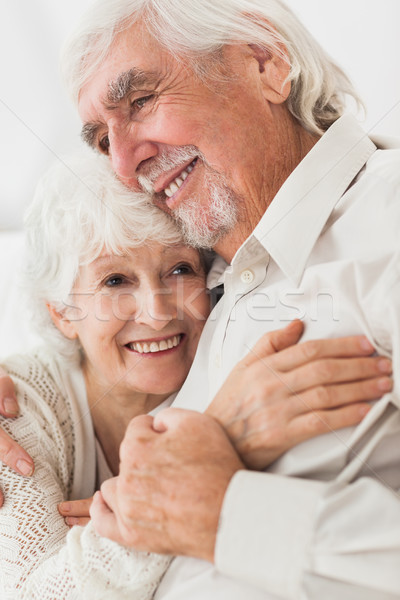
(175, 468)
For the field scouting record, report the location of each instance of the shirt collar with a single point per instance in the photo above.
(294, 220)
(215, 275)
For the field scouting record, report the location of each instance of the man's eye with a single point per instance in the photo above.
(104, 144)
(141, 102)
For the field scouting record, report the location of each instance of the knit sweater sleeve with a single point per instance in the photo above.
(40, 558)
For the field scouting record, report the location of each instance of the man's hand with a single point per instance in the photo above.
(10, 453)
(283, 393)
(75, 512)
(174, 472)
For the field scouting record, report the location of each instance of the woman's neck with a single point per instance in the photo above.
(112, 410)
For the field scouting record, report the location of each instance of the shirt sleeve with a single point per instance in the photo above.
(40, 558)
(308, 539)
(304, 539)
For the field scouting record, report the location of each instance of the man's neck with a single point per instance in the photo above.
(298, 143)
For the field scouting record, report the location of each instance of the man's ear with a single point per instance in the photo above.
(66, 327)
(274, 70)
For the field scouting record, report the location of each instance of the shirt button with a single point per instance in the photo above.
(247, 276)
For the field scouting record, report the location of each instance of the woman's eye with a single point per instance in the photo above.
(182, 270)
(114, 281)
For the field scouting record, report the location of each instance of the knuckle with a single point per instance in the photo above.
(272, 384)
(125, 449)
(322, 397)
(315, 423)
(326, 370)
(7, 455)
(129, 532)
(311, 349)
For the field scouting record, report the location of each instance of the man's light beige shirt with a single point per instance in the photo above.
(324, 521)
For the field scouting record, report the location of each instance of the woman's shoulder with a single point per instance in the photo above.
(37, 379)
(44, 373)
(46, 418)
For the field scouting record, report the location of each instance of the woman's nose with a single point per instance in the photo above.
(156, 309)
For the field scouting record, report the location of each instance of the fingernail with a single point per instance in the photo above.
(385, 365)
(71, 520)
(385, 384)
(64, 506)
(11, 407)
(366, 344)
(24, 467)
(364, 410)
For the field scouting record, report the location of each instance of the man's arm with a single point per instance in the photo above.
(312, 539)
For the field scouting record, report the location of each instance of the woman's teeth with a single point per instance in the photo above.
(146, 347)
(177, 182)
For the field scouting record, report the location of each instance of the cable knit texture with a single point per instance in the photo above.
(40, 558)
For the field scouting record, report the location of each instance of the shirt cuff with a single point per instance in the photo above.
(265, 530)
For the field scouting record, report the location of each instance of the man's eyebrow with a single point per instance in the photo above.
(128, 82)
(89, 133)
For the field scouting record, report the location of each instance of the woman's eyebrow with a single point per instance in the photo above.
(104, 262)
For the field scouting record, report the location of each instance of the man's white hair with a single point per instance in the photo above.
(80, 209)
(196, 31)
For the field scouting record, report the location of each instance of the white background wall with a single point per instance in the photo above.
(38, 122)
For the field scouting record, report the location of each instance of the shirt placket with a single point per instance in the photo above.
(247, 272)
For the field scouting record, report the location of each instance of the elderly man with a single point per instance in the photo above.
(230, 116)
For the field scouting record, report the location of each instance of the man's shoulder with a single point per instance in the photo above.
(385, 162)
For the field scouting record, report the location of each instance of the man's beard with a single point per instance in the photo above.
(204, 220)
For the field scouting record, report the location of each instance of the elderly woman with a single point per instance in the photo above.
(121, 302)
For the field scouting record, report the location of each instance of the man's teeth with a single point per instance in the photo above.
(145, 347)
(177, 182)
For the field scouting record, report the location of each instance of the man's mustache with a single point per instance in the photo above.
(166, 160)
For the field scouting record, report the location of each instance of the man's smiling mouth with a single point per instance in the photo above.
(176, 183)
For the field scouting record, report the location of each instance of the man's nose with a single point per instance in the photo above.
(127, 152)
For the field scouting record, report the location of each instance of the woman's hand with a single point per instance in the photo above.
(283, 393)
(76, 512)
(10, 452)
(8, 399)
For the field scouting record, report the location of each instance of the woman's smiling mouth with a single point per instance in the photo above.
(153, 346)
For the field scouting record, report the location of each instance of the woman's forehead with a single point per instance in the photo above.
(149, 250)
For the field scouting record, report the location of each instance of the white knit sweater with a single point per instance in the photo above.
(40, 558)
